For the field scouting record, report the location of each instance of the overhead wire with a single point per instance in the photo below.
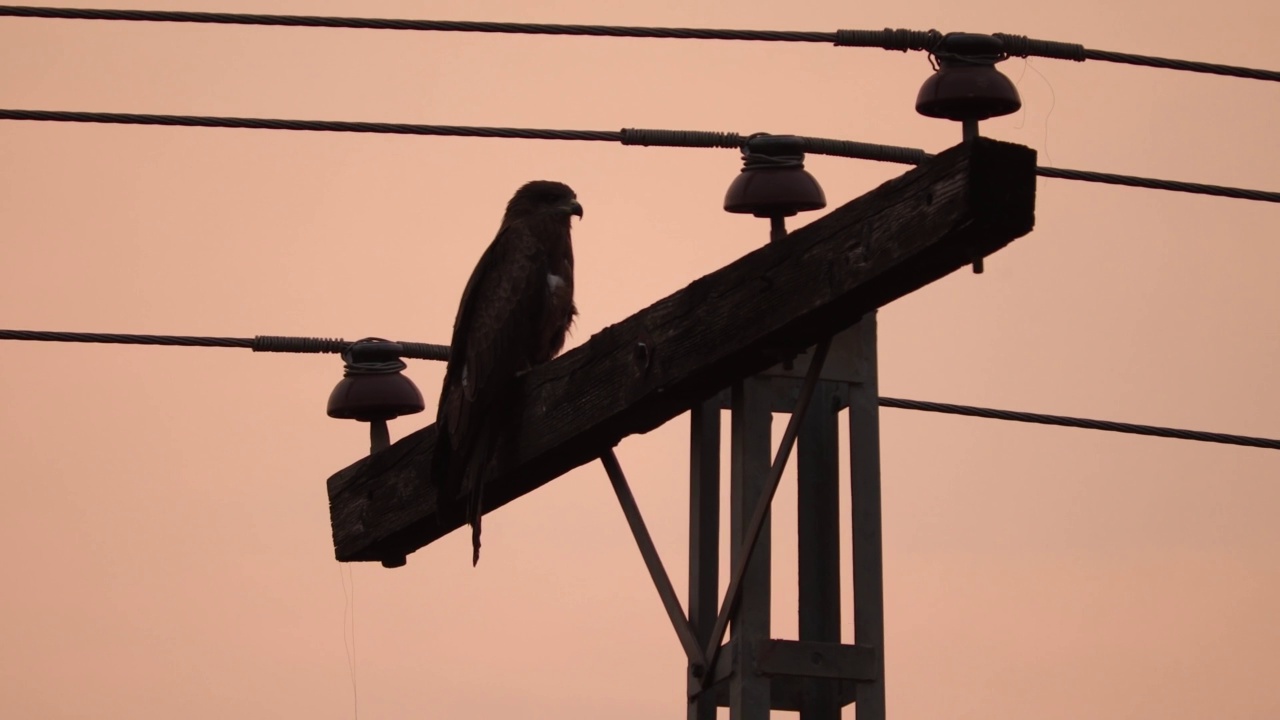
(627, 136)
(1083, 423)
(308, 125)
(886, 39)
(429, 351)
(258, 343)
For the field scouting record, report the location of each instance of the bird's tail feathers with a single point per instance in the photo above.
(481, 463)
(475, 511)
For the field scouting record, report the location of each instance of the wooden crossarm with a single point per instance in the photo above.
(633, 376)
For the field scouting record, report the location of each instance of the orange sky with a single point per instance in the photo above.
(165, 511)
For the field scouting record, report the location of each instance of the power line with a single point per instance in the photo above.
(308, 125)
(427, 25)
(1186, 65)
(628, 136)
(1085, 423)
(1157, 184)
(887, 39)
(427, 351)
(258, 343)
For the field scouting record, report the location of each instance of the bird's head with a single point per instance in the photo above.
(544, 196)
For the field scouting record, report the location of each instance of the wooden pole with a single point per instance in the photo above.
(818, 525)
(704, 541)
(749, 478)
(868, 553)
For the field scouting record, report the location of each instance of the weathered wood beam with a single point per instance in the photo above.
(631, 377)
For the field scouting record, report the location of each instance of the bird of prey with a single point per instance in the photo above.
(514, 314)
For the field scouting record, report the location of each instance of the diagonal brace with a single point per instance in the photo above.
(761, 512)
(651, 560)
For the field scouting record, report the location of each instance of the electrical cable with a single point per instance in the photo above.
(628, 136)
(428, 351)
(886, 39)
(1085, 423)
(258, 343)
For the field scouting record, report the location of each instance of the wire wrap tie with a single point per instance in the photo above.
(275, 343)
(889, 39)
(1023, 46)
(387, 351)
(776, 158)
(680, 138)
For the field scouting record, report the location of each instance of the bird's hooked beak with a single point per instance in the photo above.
(573, 207)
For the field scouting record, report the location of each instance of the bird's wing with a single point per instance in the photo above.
(494, 331)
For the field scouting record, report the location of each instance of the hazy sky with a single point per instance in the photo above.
(165, 510)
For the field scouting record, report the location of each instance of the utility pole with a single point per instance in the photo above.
(790, 327)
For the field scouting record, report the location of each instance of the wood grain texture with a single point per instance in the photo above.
(635, 375)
